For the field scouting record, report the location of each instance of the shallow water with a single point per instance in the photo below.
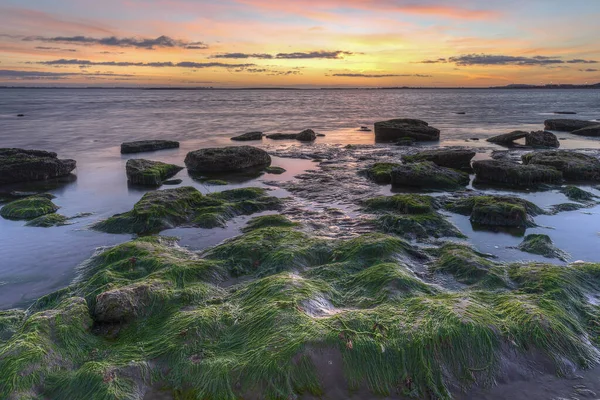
(89, 125)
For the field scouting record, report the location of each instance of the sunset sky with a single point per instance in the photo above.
(298, 43)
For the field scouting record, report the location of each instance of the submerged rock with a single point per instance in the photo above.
(508, 138)
(186, 206)
(496, 210)
(248, 136)
(576, 194)
(48, 221)
(429, 176)
(542, 139)
(151, 173)
(543, 246)
(593, 131)
(381, 172)
(567, 125)
(18, 165)
(456, 159)
(28, 208)
(227, 159)
(394, 129)
(512, 174)
(142, 146)
(275, 170)
(574, 166)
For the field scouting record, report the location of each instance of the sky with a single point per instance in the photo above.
(298, 43)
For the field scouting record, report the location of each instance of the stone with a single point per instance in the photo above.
(457, 159)
(508, 138)
(541, 245)
(429, 176)
(142, 146)
(173, 182)
(512, 174)
(307, 135)
(542, 139)
(567, 125)
(574, 166)
(18, 165)
(495, 211)
(394, 129)
(150, 173)
(275, 170)
(282, 136)
(123, 304)
(248, 136)
(28, 208)
(227, 159)
(381, 172)
(591, 131)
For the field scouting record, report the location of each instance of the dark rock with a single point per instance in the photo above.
(381, 172)
(248, 136)
(460, 113)
(542, 139)
(365, 129)
(151, 173)
(226, 159)
(18, 165)
(541, 245)
(20, 115)
(457, 159)
(282, 136)
(307, 135)
(513, 174)
(405, 141)
(474, 138)
(173, 182)
(574, 166)
(428, 175)
(147, 145)
(274, 170)
(320, 135)
(28, 208)
(593, 131)
(392, 130)
(565, 112)
(567, 125)
(508, 138)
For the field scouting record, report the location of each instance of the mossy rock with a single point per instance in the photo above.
(275, 170)
(456, 159)
(28, 208)
(19, 165)
(381, 172)
(427, 175)
(506, 173)
(149, 173)
(186, 206)
(48, 221)
(576, 194)
(265, 221)
(566, 207)
(215, 182)
(403, 204)
(541, 245)
(574, 166)
(496, 210)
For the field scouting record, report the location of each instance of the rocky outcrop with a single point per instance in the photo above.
(500, 211)
(543, 246)
(592, 131)
(512, 174)
(227, 159)
(395, 129)
(248, 136)
(307, 135)
(428, 175)
(150, 173)
(567, 125)
(542, 139)
(457, 159)
(142, 146)
(381, 172)
(18, 165)
(29, 208)
(574, 166)
(508, 138)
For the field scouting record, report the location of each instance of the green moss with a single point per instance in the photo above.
(166, 209)
(542, 245)
(496, 210)
(381, 172)
(28, 208)
(215, 182)
(403, 204)
(49, 220)
(274, 170)
(265, 221)
(152, 173)
(566, 207)
(10, 321)
(576, 194)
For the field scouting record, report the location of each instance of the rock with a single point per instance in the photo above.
(123, 304)
(248, 136)
(501, 211)
(365, 129)
(307, 135)
(172, 182)
(227, 159)
(394, 129)
(48, 221)
(565, 112)
(405, 141)
(28, 208)
(142, 146)
(508, 138)
(460, 113)
(282, 136)
(274, 170)
(512, 174)
(320, 135)
(474, 138)
(592, 131)
(574, 166)
(542, 139)
(428, 175)
(381, 172)
(567, 125)
(20, 115)
(457, 159)
(541, 245)
(151, 173)
(576, 194)
(18, 165)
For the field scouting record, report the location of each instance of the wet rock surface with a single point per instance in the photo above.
(227, 159)
(542, 245)
(496, 210)
(508, 138)
(150, 173)
(19, 165)
(397, 129)
(428, 175)
(248, 136)
(29, 208)
(593, 131)
(542, 139)
(456, 159)
(573, 165)
(512, 174)
(567, 125)
(142, 146)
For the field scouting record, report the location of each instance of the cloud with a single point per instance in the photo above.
(493, 59)
(165, 64)
(113, 41)
(350, 75)
(38, 75)
(243, 55)
(579, 61)
(314, 54)
(589, 70)
(54, 48)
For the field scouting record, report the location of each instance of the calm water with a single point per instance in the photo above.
(89, 125)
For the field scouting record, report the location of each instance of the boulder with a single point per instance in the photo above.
(496, 210)
(394, 129)
(123, 304)
(542, 139)
(457, 159)
(248, 136)
(574, 166)
(142, 146)
(29, 208)
(307, 135)
(508, 138)
(512, 174)
(227, 159)
(543, 246)
(567, 125)
(592, 130)
(18, 165)
(151, 173)
(282, 136)
(429, 176)
(381, 172)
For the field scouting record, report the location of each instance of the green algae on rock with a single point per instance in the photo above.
(511, 174)
(151, 173)
(48, 220)
(574, 166)
(576, 194)
(496, 210)
(381, 172)
(18, 165)
(29, 208)
(428, 175)
(449, 158)
(274, 170)
(186, 206)
(276, 220)
(542, 245)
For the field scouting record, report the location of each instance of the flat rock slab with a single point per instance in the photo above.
(428, 175)
(508, 138)
(307, 135)
(396, 129)
(507, 173)
(150, 173)
(567, 125)
(142, 146)
(593, 131)
(248, 136)
(18, 165)
(457, 159)
(574, 166)
(227, 159)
